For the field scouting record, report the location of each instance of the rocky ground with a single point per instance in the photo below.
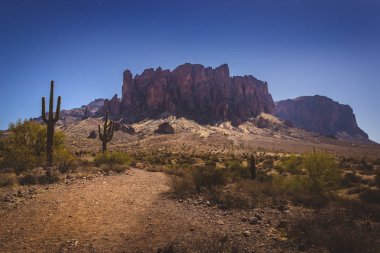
(132, 212)
(224, 138)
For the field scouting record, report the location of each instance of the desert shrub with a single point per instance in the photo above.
(117, 168)
(291, 183)
(377, 178)
(322, 171)
(235, 170)
(230, 198)
(112, 158)
(268, 163)
(211, 161)
(357, 189)
(315, 187)
(25, 147)
(296, 187)
(358, 209)
(183, 186)
(262, 177)
(29, 179)
(37, 177)
(370, 196)
(376, 162)
(349, 179)
(207, 177)
(334, 230)
(8, 179)
(365, 166)
(246, 194)
(292, 164)
(65, 161)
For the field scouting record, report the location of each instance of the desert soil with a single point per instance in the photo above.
(131, 212)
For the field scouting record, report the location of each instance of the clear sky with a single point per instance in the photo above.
(300, 47)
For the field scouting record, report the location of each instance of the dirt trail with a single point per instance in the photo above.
(124, 213)
(97, 216)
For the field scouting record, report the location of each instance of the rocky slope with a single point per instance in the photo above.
(322, 115)
(205, 95)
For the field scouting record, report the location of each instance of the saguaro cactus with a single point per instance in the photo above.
(253, 167)
(107, 134)
(50, 122)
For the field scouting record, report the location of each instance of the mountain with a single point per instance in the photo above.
(199, 93)
(70, 116)
(322, 115)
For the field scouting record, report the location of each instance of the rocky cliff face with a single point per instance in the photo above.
(113, 106)
(320, 114)
(202, 94)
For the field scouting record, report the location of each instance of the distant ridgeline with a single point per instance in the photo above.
(320, 114)
(208, 96)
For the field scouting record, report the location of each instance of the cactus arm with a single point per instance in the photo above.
(100, 133)
(110, 131)
(58, 109)
(43, 112)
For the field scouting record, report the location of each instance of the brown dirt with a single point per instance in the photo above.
(127, 213)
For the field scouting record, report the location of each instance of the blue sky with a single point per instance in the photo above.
(300, 47)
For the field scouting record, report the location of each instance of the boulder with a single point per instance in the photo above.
(164, 128)
(93, 135)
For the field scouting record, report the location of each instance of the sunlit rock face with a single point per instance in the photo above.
(202, 94)
(320, 114)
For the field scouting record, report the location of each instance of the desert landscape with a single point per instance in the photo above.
(189, 127)
(172, 183)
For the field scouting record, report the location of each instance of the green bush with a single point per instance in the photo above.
(183, 186)
(349, 179)
(292, 164)
(207, 177)
(235, 170)
(65, 161)
(33, 177)
(112, 158)
(315, 187)
(8, 179)
(25, 147)
(322, 171)
(118, 168)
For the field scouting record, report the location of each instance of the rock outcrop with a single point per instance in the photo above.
(112, 106)
(164, 128)
(320, 114)
(205, 95)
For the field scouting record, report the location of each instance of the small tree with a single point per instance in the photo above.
(25, 147)
(322, 171)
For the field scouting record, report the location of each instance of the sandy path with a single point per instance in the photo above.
(90, 216)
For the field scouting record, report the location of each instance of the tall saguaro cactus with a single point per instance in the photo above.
(50, 122)
(107, 134)
(252, 167)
